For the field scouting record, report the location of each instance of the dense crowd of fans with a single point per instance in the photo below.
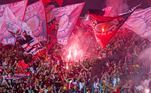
(115, 70)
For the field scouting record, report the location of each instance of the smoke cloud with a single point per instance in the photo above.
(118, 6)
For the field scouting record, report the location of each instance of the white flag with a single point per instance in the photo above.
(67, 17)
(36, 20)
(18, 8)
(140, 23)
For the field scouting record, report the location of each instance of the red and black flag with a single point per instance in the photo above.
(106, 27)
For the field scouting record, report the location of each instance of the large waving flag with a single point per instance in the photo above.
(18, 8)
(5, 36)
(67, 17)
(9, 26)
(36, 20)
(140, 23)
(13, 30)
(106, 27)
(7, 12)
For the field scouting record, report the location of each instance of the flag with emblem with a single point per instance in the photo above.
(36, 20)
(18, 8)
(106, 27)
(13, 30)
(67, 17)
(140, 23)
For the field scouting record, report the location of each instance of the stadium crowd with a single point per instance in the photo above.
(115, 70)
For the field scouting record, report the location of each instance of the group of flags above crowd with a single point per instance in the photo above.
(28, 24)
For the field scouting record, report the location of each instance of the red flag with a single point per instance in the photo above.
(21, 64)
(106, 27)
(60, 2)
(21, 67)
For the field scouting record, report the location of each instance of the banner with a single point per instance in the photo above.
(35, 19)
(106, 27)
(140, 23)
(8, 24)
(18, 8)
(67, 17)
(12, 30)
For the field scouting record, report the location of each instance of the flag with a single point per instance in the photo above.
(18, 8)
(51, 27)
(58, 2)
(36, 20)
(21, 67)
(22, 64)
(140, 23)
(67, 17)
(13, 30)
(10, 11)
(107, 11)
(106, 27)
(96, 11)
(7, 23)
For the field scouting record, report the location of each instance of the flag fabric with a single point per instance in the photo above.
(140, 23)
(22, 64)
(59, 2)
(107, 11)
(106, 27)
(21, 68)
(51, 27)
(18, 8)
(7, 24)
(36, 20)
(13, 30)
(9, 12)
(96, 11)
(67, 17)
